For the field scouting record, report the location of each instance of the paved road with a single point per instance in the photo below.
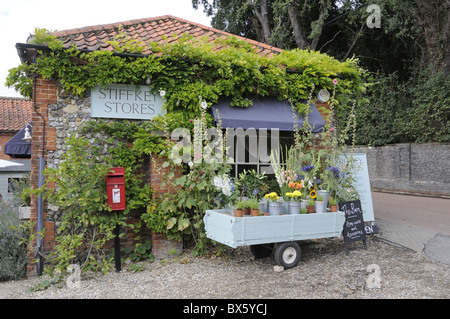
(419, 223)
(427, 213)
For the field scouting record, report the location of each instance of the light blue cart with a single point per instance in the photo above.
(267, 233)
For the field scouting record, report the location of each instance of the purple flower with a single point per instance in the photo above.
(336, 172)
(307, 168)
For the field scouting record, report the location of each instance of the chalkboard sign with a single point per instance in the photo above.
(353, 229)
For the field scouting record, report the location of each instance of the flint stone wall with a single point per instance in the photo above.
(412, 168)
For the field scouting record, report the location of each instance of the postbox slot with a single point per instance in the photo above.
(115, 180)
(120, 171)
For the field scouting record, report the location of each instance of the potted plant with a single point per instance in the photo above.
(294, 204)
(25, 208)
(239, 211)
(246, 207)
(253, 204)
(275, 203)
(320, 204)
(310, 206)
(333, 204)
(251, 183)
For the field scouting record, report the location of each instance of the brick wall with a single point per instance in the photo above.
(45, 95)
(163, 248)
(159, 177)
(5, 137)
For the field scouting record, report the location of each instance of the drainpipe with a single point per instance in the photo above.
(40, 203)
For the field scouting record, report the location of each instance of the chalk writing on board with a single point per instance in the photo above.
(353, 228)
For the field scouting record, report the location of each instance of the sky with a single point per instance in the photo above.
(19, 18)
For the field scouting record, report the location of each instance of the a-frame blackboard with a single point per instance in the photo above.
(353, 228)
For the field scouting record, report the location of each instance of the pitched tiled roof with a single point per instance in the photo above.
(147, 30)
(15, 113)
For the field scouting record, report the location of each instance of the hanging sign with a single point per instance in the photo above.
(126, 102)
(354, 228)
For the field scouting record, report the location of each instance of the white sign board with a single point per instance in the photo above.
(125, 102)
(362, 185)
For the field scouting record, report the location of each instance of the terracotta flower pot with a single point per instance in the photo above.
(246, 211)
(238, 213)
(254, 212)
(310, 209)
(333, 208)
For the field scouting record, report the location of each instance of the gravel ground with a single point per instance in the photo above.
(324, 271)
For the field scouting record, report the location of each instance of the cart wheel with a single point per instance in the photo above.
(262, 250)
(287, 254)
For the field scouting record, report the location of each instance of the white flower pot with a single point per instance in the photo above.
(24, 212)
(321, 207)
(325, 195)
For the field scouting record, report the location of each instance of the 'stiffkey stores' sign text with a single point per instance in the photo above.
(125, 102)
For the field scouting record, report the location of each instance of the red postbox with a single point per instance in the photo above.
(115, 188)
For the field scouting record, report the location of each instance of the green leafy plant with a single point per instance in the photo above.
(250, 183)
(240, 205)
(77, 188)
(41, 286)
(252, 203)
(332, 201)
(13, 253)
(193, 67)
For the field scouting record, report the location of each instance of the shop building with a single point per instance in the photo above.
(57, 112)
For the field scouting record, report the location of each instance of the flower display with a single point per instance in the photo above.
(225, 184)
(336, 173)
(308, 168)
(294, 196)
(272, 197)
(312, 192)
(284, 177)
(296, 185)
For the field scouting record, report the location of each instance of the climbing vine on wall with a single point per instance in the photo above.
(191, 68)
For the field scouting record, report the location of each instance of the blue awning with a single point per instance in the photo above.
(17, 147)
(267, 112)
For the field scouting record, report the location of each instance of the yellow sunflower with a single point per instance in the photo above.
(312, 193)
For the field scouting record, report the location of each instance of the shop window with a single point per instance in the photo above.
(11, 182)
(250, 149)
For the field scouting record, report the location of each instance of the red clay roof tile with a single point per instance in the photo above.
(151, 29)
(15, 113)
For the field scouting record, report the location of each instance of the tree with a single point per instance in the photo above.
(434, 15)
(336, 27)
(270, 20)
